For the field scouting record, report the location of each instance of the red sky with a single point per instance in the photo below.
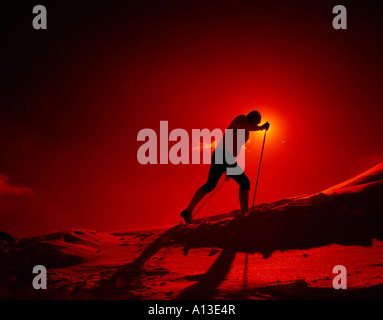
(76, 95)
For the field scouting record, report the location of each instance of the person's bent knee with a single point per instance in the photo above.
(245, 185)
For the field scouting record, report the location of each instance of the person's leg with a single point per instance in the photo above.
(215, 173)
(198, 196)
(244, 187)
(244, 200)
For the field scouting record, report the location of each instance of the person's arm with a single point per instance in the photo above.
(241, 123)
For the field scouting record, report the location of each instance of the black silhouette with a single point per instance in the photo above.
(248, 123)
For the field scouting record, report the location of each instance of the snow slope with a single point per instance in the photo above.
(281, 250)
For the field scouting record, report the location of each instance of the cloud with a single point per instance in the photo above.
(203, 145)
(6, 187)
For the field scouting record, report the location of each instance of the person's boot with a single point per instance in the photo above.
(187, 216)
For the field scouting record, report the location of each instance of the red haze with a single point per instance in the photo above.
(70, 134)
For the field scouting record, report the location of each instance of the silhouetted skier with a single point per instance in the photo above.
(248, 123)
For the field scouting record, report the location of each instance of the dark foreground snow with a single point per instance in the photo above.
(281, 250)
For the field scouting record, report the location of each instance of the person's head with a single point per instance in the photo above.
(254, 117)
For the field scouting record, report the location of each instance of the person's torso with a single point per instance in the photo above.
(232, 141)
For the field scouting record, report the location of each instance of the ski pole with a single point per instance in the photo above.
(259, 169)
